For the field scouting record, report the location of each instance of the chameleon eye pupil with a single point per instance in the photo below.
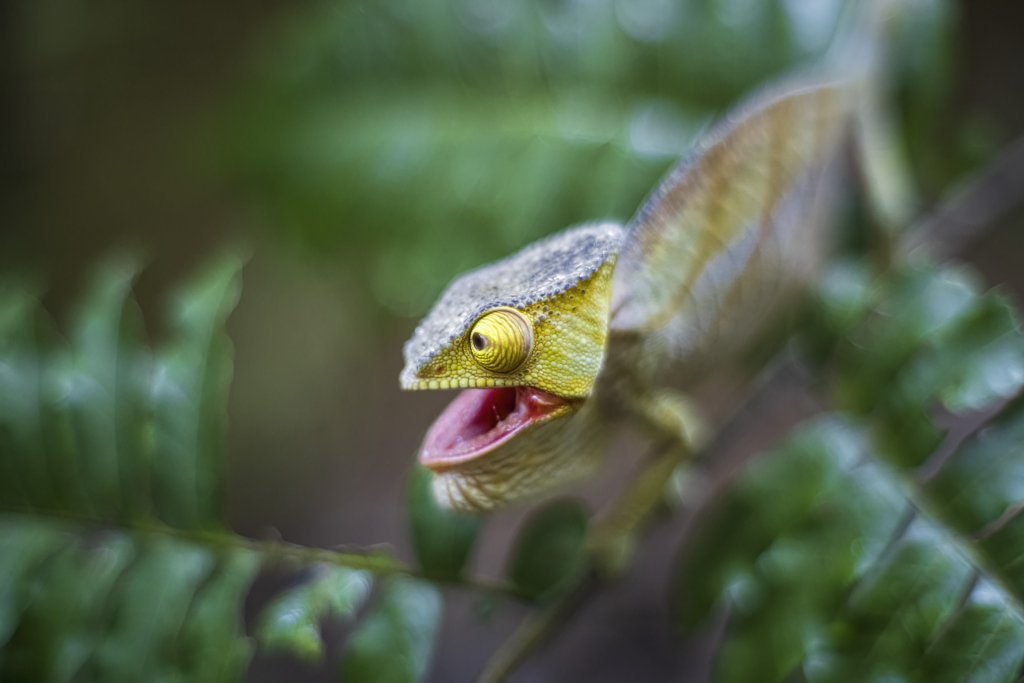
(479, 341)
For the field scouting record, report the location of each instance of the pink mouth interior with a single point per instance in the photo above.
(480, 419)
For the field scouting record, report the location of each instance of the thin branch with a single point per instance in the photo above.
(272, 550)
(613, 539)
(968, 426)
(980, 203)
(999, 522)
(535, 629)
(609, 549)
(277, 551)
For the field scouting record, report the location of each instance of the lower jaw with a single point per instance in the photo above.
(550, 456)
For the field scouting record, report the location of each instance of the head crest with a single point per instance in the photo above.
(539, 271)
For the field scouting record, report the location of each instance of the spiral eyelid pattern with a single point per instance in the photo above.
(501, 340)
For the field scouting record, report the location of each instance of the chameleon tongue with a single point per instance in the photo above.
(480, 419)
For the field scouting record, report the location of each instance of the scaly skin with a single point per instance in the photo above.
(561, 284)
(726, 241)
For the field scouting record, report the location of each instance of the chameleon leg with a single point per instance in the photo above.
(678, 429)
(680, 434)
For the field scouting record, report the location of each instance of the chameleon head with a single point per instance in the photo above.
(525, 339)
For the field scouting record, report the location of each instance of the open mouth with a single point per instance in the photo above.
(478, 420)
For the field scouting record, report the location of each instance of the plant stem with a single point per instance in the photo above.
(534, 629)
(974, 208)
(610, 547)
(279, 552)
(612, 541)
(611, 544)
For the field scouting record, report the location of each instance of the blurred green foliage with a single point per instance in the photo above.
(395, 642)
(833, 551)
(100, 426)
(109, 451)
(115, 563)
(935, 337)
(442, 539)
(549, 551)
(415, 140)
(292, 621)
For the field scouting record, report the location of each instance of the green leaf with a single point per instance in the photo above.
(443, 539)
(990, 349)
(803, 546)
(896, 610)
(395, 641)
(928, 338)
(1005, 549)
(982, 480)
(797, 527)
(772, 499)
(60, 438)
(25, 478)
(107, 393)
(120, 607)
(190, 387)
(291, 622)
(843, 294)
(78, 424)
(922, 54)
(24, 545)
(918, 304)
(211, 645)
(549, 550)
(973, 363)
(149, 609)
(65, 622)
(824, 589)
(985, 637)
(95, 429)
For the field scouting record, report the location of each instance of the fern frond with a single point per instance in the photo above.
(838, 557)
(115, 561)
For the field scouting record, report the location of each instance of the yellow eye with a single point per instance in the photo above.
(501, 340)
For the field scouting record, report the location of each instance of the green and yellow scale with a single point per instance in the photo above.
(557, 343)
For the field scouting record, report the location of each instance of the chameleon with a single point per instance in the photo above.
(556, 344)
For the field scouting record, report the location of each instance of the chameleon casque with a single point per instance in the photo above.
(553, 345)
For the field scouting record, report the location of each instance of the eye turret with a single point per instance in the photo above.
(501, 340)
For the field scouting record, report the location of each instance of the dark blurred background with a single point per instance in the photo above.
(363, 153)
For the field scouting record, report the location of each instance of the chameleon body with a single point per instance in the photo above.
(590, 322)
